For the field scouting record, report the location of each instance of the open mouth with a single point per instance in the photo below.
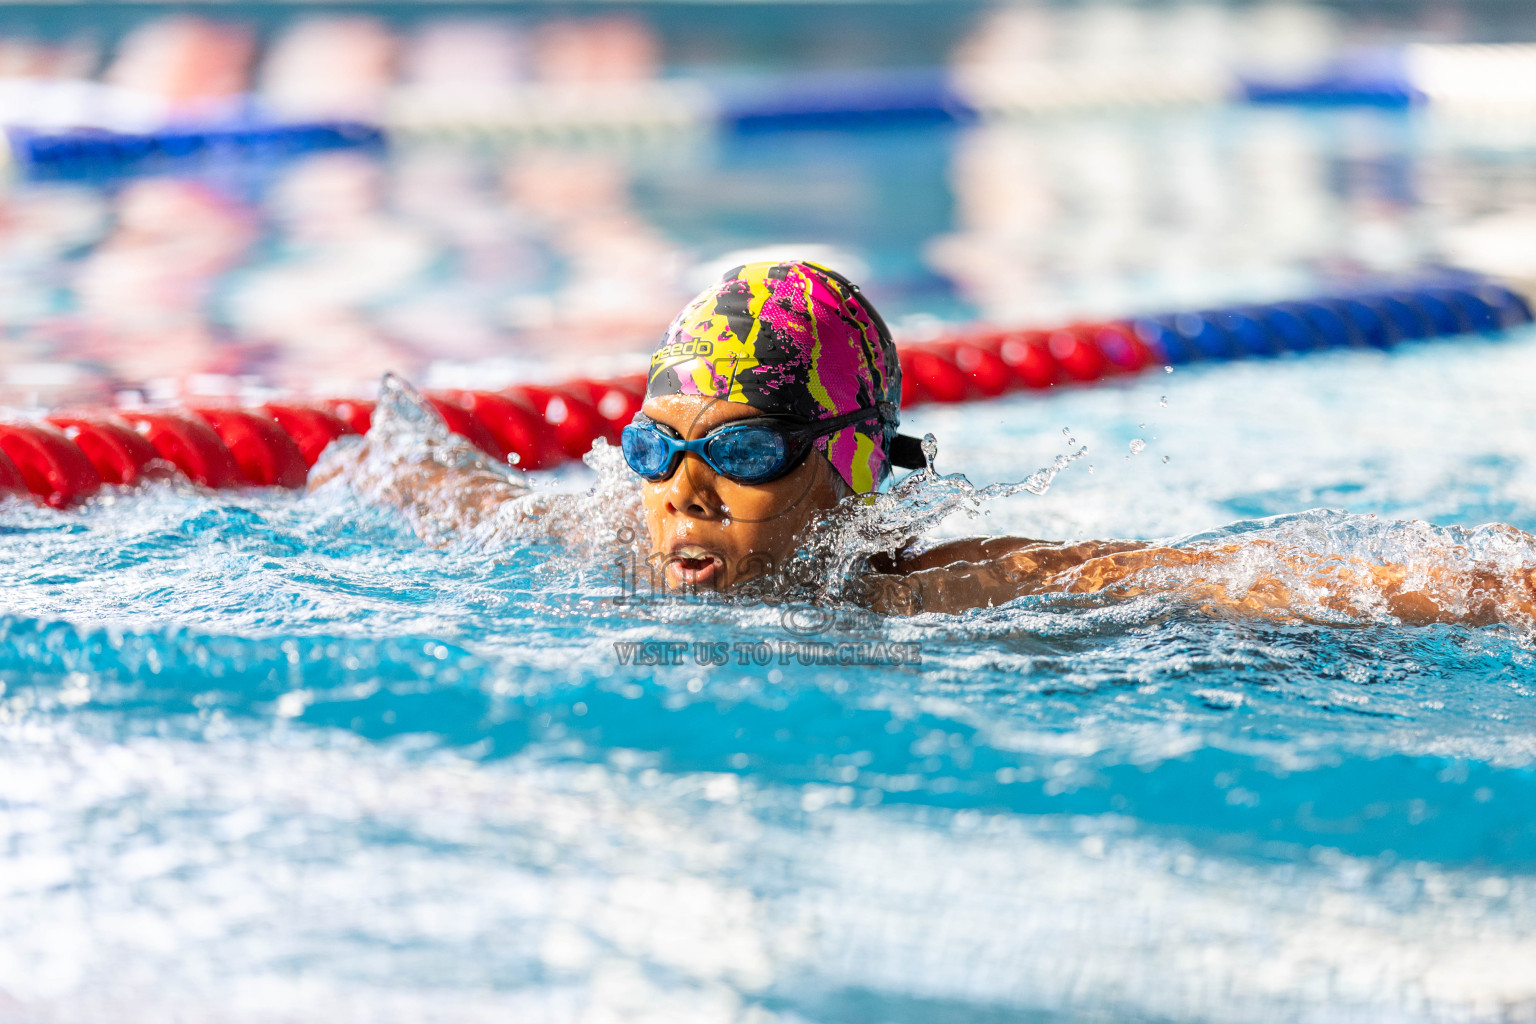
(693, 566)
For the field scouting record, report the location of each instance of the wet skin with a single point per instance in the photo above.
(709, 532)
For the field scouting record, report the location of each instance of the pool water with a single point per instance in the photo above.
(271, 757)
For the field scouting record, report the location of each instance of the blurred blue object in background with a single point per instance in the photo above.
(93, 153)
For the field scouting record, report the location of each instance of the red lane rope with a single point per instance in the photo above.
(263, 452)
(519, 429)
(52, 466)
(68, 457)
(311, 429)
(187, 442)
(355, 413)
(71, 455)
(114, 448)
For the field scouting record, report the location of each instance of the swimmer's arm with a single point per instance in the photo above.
(1467, 593)
(437, 498)
(977, 573)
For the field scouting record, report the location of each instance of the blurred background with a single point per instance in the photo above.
(237, 197)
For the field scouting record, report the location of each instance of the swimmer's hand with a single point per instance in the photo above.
(1295, 585)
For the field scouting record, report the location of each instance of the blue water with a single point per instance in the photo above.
(271, 757)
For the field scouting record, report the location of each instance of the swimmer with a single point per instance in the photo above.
(774, 397)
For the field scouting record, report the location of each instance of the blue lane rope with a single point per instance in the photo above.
(1382, 77)
(1444, 306)
(83, 153)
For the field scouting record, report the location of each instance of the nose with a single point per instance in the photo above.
(691, 491)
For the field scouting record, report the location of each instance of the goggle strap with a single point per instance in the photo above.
(907, 453)
(832, 426)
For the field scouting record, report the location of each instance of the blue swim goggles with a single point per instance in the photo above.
(749, 451)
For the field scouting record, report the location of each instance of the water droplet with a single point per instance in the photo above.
(930, 449)
(1138, 446)
(514, 459)
(1163, 401)
(1165, 458)
(1090, 467)
(1066, 431)
(1167, 369)
(1141, 426)
(725, 521)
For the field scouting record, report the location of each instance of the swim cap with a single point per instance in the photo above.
(792, 339)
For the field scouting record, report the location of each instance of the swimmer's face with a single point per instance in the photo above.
(709, 532)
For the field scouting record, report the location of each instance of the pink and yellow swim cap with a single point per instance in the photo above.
(797, 340)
